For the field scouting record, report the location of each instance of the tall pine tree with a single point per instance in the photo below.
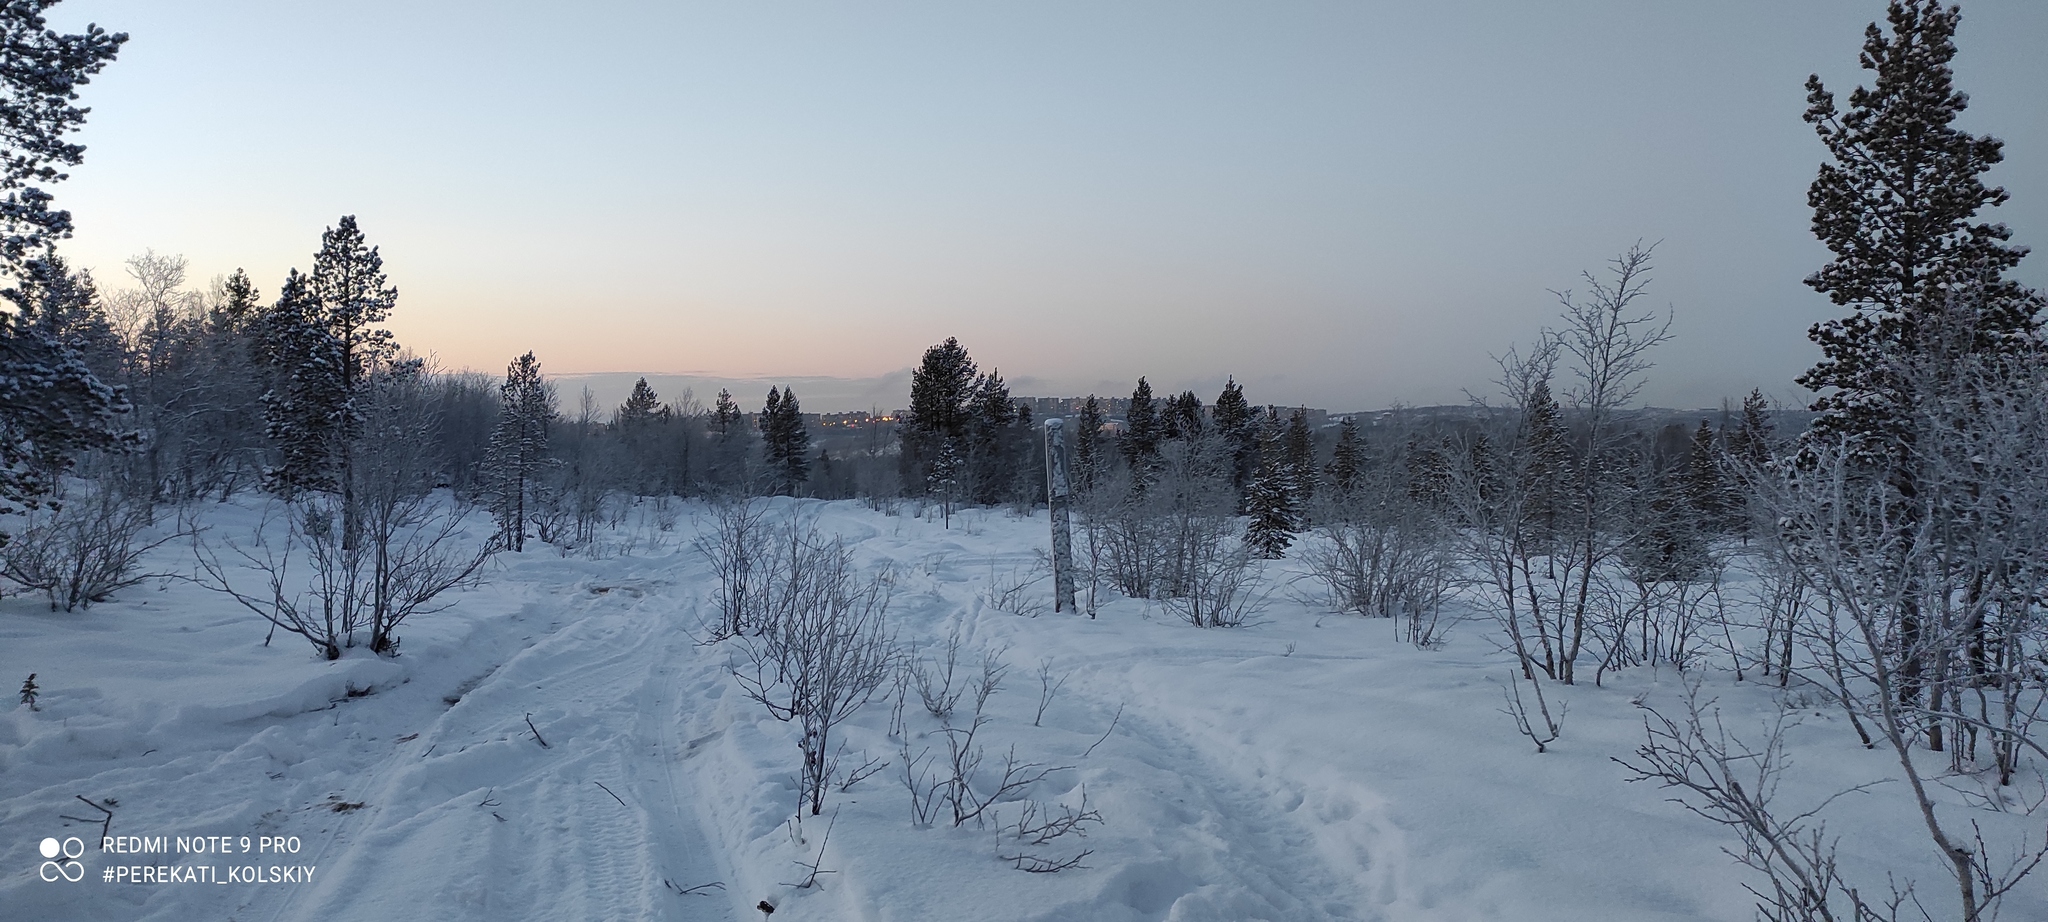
(519, 446)
(934, 431)
(1089, 460)
(785, 443)
(1270, 498)
(1140, 442)
(1898, 208)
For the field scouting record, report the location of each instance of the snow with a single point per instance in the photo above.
(1308, 766)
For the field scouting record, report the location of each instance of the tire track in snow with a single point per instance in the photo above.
(489, 825)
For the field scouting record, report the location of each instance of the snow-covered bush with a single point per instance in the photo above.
(822, 653)
(82, 549)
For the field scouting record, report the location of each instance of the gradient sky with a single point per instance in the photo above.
(1345, 205)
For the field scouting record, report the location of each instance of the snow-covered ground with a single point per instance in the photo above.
(1309, 766)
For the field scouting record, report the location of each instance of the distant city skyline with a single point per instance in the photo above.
(1348, 205)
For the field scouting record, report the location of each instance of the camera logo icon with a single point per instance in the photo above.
(62, 860)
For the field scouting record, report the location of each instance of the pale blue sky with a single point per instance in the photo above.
(1342, 204)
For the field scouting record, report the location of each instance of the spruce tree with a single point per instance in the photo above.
(1140, 442)
(1546, 468)
(785, 443)
(323, 341)
(640, 409)
(1301, 462)
(1706, 496)
(935, 427)
(39, 81)
(1270, 498)
(1088, 457)
(1898, 208)
(52, 404)
(991, 440)
(1750, 444)
(1234, 422)
(637, 423)
(1347, 459)
(731, 442)
(519, 446)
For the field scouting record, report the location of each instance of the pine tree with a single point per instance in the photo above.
(1234, 422)
(1706, 496)
(39, 84)
(1088, 458)
(1140, 442)
(637, 423)
(935, 427)
(1301, 462)
(237, 306)
(991, 440)
(52, 403)
(519, 446)
(322, 343)
(30, 691)
(730, 443)
(641, 408)
(785, 443)
(1898, 207)
(1347, 458)
(1270, 499)
(1546, 469)
(1750, 444)
(1183, 417)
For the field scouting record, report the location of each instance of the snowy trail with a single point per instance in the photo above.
(474, 819)
(1304, 767)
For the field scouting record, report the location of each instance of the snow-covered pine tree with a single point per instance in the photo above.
(934, 427)
(1088, 457)
(323, 341)
(1240, 432)
(57, 354)
(1898, 207)
(1183, 417)
(30, 691)
(1706, 495)
(1270, 498)
(1750, 444)
(1347, 459)
(38, 103)
(303, 400)
(991, 441)
(52, 404)
(1301, 463)
(519, 446)
(1545, 472)
(1140, 441)
(785, 443)
(731, 442)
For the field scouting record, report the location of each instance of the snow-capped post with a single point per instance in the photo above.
(1058, 498)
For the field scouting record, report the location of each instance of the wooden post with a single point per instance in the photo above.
(1059, 497)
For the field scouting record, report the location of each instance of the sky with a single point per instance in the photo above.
(1344, 205)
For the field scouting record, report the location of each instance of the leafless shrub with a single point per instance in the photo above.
(83, 549)
(1037, 827)
(1728, 781)
(737, 546)
(1015, 592)
(1048, 686)
(822, 658)
(1549, 729)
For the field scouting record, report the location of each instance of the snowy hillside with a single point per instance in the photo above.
(565, 742)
